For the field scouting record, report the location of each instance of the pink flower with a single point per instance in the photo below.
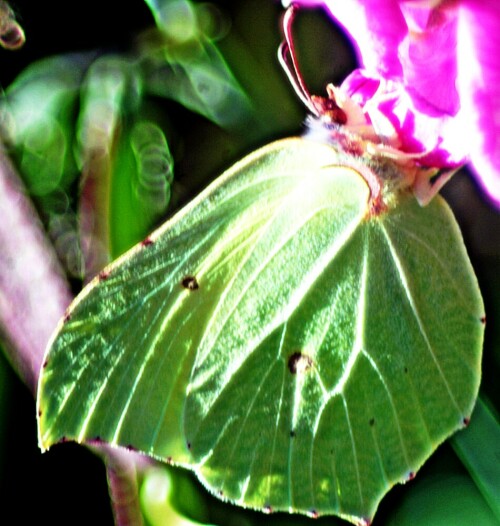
(430, 78)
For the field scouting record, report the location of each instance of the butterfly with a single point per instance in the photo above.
(302, 335)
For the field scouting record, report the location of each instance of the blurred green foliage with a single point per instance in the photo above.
(135, 109)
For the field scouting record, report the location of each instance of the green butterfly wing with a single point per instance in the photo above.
(296, 352)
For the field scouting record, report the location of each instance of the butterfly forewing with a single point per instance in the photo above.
(153, 318)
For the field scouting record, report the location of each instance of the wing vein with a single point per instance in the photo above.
(411, 301)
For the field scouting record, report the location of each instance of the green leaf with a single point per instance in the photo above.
(110, 96)
(443, 500)
(189, 69)
(297, 350)
(38, 120)
(171, 497)
(142, 173)
(478, 447)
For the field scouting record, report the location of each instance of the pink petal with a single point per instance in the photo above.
(420, 129)
(408, 40)
(361, 86)
(376, 26)
(428, 55)
(478, 84)
(413, 46)
(437, 65)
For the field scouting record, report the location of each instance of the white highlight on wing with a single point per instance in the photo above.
(293, 302)
(354, 450)
(90, 412)
(359, 339)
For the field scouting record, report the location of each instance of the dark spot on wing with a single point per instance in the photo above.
(169, 460)
(188, 445)
(466, 421)
(483, 320)
(45, 363)
(411, 475)
(66, 317)
(267, 509)
(292, 434)
(190, 283)
(313, 514)
(372, 422)
(146, 242)
(103, 275)
(299, 362)
(130, 447)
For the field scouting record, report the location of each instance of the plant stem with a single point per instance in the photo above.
(121, 467)
(33, 290)
(33, 297)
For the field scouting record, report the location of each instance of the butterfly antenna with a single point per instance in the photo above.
(288, 61)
